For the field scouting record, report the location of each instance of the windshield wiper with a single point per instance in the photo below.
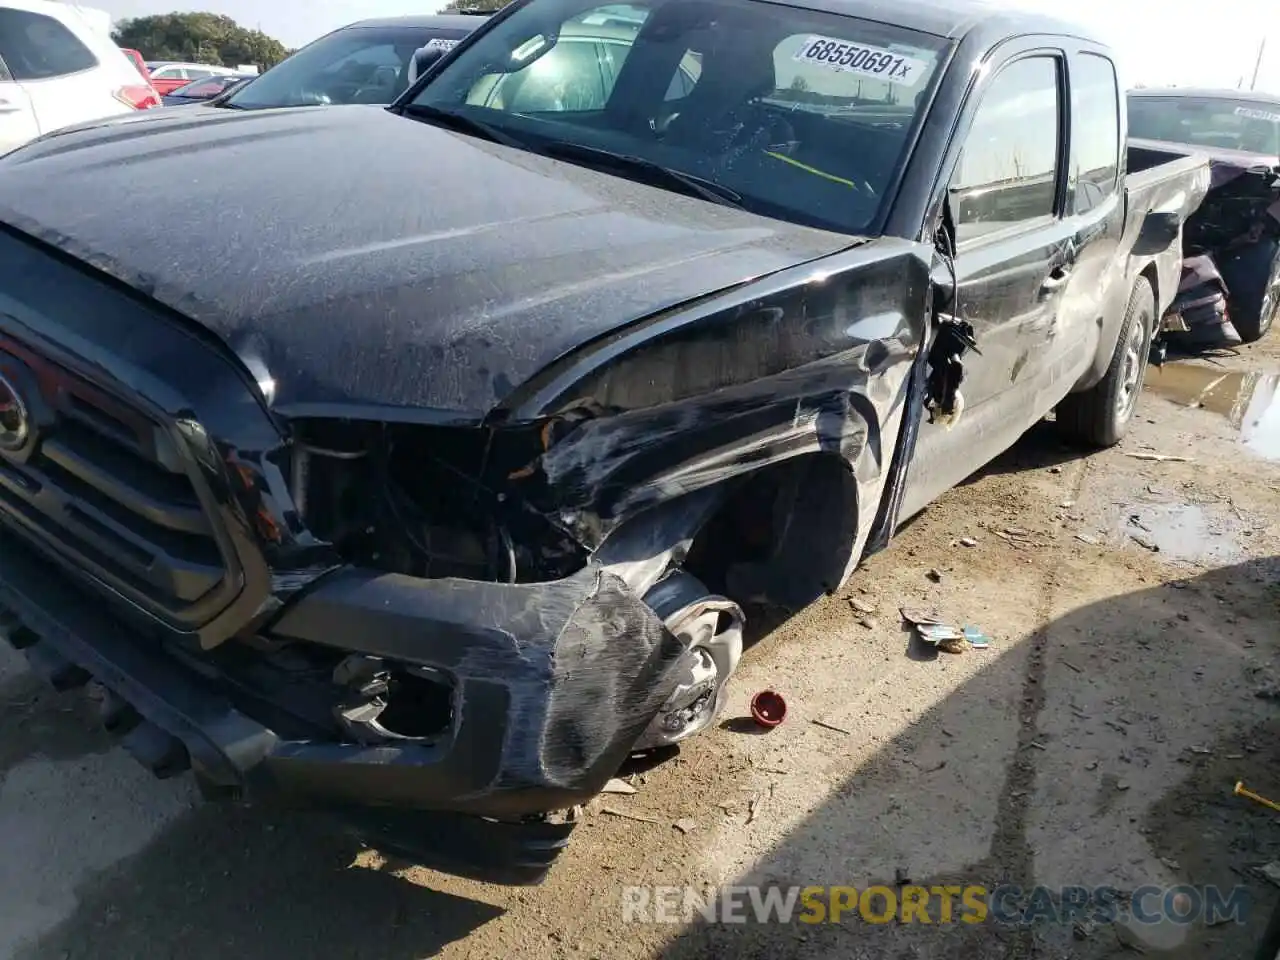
(653, 172)
(462, 123)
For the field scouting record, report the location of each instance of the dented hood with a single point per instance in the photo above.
(368, 260)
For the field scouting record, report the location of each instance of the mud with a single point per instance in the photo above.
(1095, 742)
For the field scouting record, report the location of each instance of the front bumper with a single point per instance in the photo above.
(553, 683)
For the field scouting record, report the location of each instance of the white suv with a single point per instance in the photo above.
(58, 68)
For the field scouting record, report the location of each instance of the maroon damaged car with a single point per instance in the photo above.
(1231, 280)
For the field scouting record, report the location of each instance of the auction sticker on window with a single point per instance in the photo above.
(1252, 113)
(440, 43)
(859, 58)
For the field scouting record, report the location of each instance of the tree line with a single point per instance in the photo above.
(199, 38)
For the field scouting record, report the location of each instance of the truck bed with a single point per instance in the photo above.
(1157, 181)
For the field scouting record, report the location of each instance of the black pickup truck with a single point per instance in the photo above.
(430, 476)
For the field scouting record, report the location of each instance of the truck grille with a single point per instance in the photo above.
(103, 485)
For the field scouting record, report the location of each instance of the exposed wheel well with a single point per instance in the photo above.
(783, 536)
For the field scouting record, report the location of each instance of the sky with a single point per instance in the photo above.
(1185, 42)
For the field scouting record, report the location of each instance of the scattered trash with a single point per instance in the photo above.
(968, 542)
(1270, 871)
(831, 726)
(1091, 765)
(1067, 504)
(768, 709)
(1136, 521)
(1159, 457)
(752, 805)
(935, 575)
(1242, 791)
(1017, 532)
(1203, 751)
(1071, 666)
(1055, 469)
(861, 607)
(1144, 543)
(1171, 863)
(686, 825)
(617, 785)
(932, 630)
(614, 812)
(1037, 745)
(1085, 538)
(1082, 929)
(1122, 785)
(868, 623)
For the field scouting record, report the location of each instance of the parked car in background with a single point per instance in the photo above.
(1231, 284)
(435, 473)
(368, 62)
(57, 68)
(167, 76)
(200, 91)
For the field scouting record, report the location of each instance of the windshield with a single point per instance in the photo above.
(798, 114)
(355, 65)
(1232, 124)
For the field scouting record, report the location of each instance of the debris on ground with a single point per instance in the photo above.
(931, 629)
(1085, 538)
(638, 817)
(618, 785)
(868, 623)
(1270, 871)
(1144, 542)
(752, 805)
(1159, 457)
(861, 606)
(686, 825)
(768, 709)
(935, 575)
(830, 726)
(968, 542)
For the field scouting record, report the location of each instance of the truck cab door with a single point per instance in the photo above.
(1014, 261)
(17, 118)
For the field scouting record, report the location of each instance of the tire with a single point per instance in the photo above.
(1099, 416)
(1253, 277)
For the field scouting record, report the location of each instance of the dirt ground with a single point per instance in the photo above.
(1133, 612)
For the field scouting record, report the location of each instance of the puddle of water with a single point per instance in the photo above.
(1250, 402)
(1183, 531)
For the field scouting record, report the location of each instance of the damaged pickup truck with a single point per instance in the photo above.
(431, 478)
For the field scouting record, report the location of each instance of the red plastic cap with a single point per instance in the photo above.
(768, 708)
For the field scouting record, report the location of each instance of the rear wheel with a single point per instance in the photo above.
(1100, 415)
(1253, 277)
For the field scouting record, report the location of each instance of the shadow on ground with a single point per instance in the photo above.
(227, 882)
(1102, 750)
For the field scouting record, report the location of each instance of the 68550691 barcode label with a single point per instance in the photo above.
(859, 58)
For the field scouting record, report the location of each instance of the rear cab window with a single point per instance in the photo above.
(1007, 176)
(37, 47)
(1227, 122)
(804, 115)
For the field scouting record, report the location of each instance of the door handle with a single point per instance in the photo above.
(1056, 280)
(7, 107)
